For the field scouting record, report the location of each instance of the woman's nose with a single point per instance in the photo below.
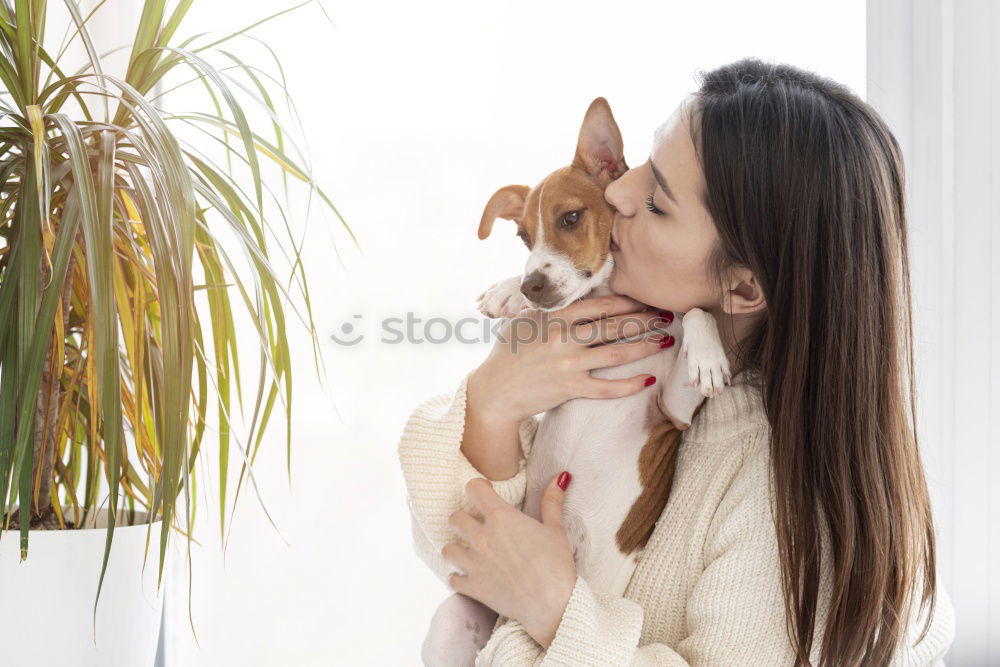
(614, 195)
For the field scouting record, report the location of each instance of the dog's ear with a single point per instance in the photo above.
(599, 149)
(507, 203)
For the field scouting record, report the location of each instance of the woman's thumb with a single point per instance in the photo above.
(553, 497)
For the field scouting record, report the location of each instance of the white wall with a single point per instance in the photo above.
(934, 73)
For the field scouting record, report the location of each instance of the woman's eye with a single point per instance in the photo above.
(652, 207)
(571, 218)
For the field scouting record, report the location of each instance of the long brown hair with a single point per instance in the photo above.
(805, 184)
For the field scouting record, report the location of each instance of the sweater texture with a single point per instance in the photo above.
(707, 589)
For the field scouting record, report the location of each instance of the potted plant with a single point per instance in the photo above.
(102, 218)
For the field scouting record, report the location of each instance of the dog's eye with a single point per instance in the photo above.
(571, 218)
(523, 236)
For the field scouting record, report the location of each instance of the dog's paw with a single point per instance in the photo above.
(503, 299)
(708, 367)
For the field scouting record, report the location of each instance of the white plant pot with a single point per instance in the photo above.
(47, 609)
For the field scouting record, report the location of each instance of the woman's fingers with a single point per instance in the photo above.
(613, 328)
(531, 368)
(465, 525)
(607, 318)
(457, 555)
(602, 388)
(616, 354)
(598, 307)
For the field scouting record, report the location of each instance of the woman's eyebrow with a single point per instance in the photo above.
(662, 181)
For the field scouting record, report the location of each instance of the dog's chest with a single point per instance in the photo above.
(599, 441)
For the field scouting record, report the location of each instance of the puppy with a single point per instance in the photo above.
(621, 451)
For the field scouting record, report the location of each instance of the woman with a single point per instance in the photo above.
(773, 198)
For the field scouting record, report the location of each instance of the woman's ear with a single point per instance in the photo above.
(744, 294)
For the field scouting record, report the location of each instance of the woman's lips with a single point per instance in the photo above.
(614, 246)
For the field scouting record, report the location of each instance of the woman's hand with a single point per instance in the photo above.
(543, 359)
(515, 565)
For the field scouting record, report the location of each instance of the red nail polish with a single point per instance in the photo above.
(667, 315)
(563, 480)
(667, 342)
(650, 380)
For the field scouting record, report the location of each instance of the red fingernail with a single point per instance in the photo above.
(563, 480)
(667, 315)
(667, 342)
(650, 380)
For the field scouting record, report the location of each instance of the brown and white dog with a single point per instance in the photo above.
(621, 451)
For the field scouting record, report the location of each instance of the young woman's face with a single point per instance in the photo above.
(661, 255)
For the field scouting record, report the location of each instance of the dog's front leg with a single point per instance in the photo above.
(698, 370)
(503, 299)
(703, 353)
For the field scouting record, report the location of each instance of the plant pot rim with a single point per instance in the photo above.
(96, 520)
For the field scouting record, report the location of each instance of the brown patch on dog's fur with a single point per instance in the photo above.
(657, 462)
(599, 159)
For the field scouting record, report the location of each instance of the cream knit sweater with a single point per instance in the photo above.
(707, 589)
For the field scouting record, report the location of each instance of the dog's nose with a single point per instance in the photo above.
(537, 288)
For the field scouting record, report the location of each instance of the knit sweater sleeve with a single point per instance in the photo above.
(436, 471)
(735, 612)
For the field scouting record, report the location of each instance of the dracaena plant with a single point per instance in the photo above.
(102, 220)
